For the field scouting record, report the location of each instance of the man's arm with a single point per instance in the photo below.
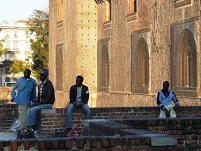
(160, 105)
(13, 93)
(33, 94)
(175, 100)
(86, 95)
(72, 95)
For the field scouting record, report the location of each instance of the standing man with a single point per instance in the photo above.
(45, 100)
(79, 96)
(23, 93)
(164, 101)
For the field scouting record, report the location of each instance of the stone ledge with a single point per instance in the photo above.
(112, 128)
(107, 126)
(82, 143)
(48, 111)
(161, 139)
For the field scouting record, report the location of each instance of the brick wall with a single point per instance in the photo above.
(186, 128)
(84, 144)
(51, 119)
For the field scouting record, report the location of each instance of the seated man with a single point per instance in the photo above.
(164, 101)
(45, 99)
(79, 96)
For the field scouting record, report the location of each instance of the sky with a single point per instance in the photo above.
(11, 10)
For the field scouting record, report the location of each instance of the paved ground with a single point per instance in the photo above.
(8, 135)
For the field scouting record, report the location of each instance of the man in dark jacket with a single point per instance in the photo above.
(79, 96)
(45, 99)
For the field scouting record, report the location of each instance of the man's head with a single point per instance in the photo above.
(165, 85)
(79, 80)
(27, 73)
(43, 75)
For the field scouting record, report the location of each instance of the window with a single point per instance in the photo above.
(132, 6)
(7, 33)
(108, 10)
(8, 71)
(103, 65)
(59, 66)
(27, 35)
(139, 65)
(9, 55)
(16, 55)
(7, 44)
(15, 33)
(27, 45)
(60, 10)
(27, 55)
(15, 45)
(186, 61)
(135, 6)
(7, 79)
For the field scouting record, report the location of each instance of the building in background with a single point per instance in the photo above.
(126, 50)
(17, 42)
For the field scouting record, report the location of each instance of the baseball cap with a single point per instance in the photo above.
(44, 73)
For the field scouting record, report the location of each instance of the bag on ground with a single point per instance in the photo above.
(58, 133)
(25, 134)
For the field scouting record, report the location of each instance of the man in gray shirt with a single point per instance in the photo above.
(79, 96)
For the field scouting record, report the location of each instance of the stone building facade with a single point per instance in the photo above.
(125, 49)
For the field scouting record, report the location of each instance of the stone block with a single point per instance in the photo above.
(162, 139)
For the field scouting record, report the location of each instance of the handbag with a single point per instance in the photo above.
(25, 134)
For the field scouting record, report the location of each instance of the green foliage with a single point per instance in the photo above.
(39, 27)
(19, 66)
(2, 50)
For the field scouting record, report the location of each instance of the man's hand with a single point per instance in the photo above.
(177, 104)
(12, 100)
(36, 104)
(78, 105)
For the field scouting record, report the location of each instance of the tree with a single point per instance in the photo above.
(2, 49)
(39, 28)
(19, 66)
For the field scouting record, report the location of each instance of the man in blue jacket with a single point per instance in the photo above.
(23, 93)
(165, 100)
(79, 96)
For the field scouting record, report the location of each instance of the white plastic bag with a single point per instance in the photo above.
(16, 126)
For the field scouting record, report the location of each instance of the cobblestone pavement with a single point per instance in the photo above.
(8, 135)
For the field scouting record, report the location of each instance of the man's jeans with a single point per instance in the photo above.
(22, 110)
(33, 112)
(71, 108)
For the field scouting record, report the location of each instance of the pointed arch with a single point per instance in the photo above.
(186, 58)
(140, 67)
(103, 65)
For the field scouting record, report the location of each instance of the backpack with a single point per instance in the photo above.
(58, 133)
(25, 134)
